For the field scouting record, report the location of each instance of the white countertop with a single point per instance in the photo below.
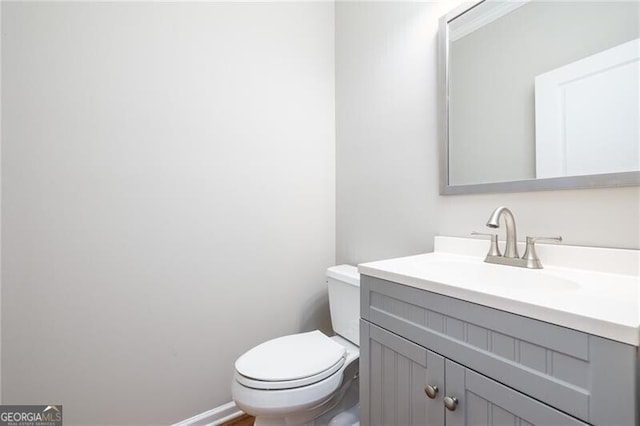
(598, 294)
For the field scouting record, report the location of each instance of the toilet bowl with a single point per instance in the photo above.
(307, 378)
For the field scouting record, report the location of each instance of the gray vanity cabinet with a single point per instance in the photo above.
(397, 371)
(487, 402)
(503, 369)
(393, 386)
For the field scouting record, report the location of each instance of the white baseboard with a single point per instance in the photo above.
(213, 417)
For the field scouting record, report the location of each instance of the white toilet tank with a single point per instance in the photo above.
(344, 301)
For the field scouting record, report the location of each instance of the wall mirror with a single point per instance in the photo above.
(538, 95)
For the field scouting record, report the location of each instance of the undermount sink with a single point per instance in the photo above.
(596, 290)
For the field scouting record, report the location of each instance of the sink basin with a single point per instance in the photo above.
(487, 276)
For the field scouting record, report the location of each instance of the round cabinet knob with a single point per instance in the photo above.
(451, 402)
(431, 391)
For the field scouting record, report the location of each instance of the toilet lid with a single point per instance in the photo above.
(290, 361)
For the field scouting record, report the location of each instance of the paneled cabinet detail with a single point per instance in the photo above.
(398, 372)
(427, 359)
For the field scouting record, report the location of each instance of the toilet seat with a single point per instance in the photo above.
(290, 361)
(288, 384)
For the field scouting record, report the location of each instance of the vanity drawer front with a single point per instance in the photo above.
(586, 376)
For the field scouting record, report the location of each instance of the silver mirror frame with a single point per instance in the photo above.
(607, 180)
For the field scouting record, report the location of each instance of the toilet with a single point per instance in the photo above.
(307, 378)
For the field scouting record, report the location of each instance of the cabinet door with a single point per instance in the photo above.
(482, 401)
(394, 373)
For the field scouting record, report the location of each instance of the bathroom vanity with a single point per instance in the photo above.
(447, 339)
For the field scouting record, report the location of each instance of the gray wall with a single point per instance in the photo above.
(492, 80)
(387, 165)
(168, 198)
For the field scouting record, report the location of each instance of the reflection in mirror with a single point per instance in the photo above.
(540, 89)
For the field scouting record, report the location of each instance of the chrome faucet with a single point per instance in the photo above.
(511, 256)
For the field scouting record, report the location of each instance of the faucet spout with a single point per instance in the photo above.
(511, 250)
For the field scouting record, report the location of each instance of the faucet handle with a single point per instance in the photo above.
(530, 254)
(533, 240)
(493, 249)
